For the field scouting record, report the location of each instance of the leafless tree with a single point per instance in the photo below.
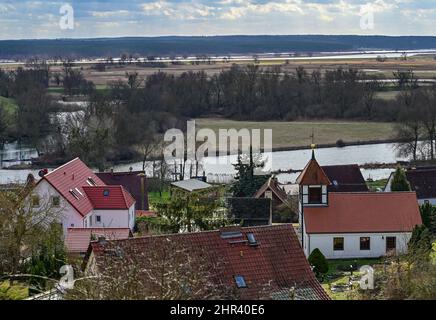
(160, 269)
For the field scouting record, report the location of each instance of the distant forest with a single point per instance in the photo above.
(218, 45)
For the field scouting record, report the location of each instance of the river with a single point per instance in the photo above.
(282, 160)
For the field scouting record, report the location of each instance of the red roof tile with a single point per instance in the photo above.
(364, 212)
(278, 260)
(131, 181)
(109, 197)
(70, 176)
(78, 239)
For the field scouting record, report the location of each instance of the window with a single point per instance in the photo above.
(268, 194)
(315, 195)
(240, 282)
(98, 219)
(74, 193)
(391, 243)
(106, 193)
(56, 201)
(365, 243)
(338, 244)
(35, 201)
(251, 239)
(91, 182)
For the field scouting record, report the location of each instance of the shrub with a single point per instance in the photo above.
(319, 263)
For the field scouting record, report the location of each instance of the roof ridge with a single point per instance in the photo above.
(275, 226)
(62, 166)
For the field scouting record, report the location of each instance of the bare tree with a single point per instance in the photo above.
(160, 269)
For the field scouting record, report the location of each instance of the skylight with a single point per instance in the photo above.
(240, 282)
(251, 239)
(91, 182)
(74, 194)
(231, 234)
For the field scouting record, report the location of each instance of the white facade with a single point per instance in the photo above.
(121, 218)
(351, 244)
(69, 217)
(67, 214)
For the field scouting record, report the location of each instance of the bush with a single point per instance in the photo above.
(340, 143)
(319, 263)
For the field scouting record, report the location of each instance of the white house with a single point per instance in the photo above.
(422, 180)
(353, 224)
(83, 200)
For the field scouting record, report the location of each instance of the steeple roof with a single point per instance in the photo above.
(313, 174)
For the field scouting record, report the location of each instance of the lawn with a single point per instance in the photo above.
(337, 276)
(154, 197)
(296, 134)
(378, 184)
(8, 104)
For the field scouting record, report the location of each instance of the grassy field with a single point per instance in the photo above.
(293, 134)
(376, 185)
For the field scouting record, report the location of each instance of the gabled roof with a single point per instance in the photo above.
(345, 178)
(131, 181)
(78, 239)
(277, 261)
(364, 212)
(109, 197)
(273, 185)
(423, 181)
(72, 176)
(313, 174)
(191, 185)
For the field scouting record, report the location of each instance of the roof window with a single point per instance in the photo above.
(74, 194)
(252, 239)
(91, 182)
(240, 282)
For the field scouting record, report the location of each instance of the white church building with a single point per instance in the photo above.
(353, 224)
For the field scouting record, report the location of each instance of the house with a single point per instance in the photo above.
(353, 224)
(190, 185)
(82, 199)
(345, 178)
(135, 182)
(422, 180)
(271, 189)
(258, 262)
(78, 239)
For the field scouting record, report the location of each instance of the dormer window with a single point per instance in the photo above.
(315, 195)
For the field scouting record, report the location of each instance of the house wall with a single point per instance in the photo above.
(324, 242)
(68, 216)
(111, 218)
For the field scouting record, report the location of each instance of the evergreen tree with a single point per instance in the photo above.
(246, 182)
(399, 182)
(319, 263)
(428, 214)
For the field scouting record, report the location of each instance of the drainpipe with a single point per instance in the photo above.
(142, 177)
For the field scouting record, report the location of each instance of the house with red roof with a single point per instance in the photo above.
(264, 262)
(353, 224)
(83, 200)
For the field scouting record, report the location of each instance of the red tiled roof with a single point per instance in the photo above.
(364, 212)
(70, 176)
(109, 197)
(131, 181)
(78, 239)
(278, 260)
(313, 174)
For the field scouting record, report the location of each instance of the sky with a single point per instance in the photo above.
(114, 18)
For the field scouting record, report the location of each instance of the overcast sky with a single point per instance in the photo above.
(113, 18)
